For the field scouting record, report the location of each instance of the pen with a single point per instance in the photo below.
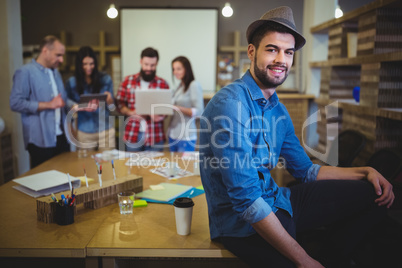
(114, 172)
(100, 175)
(85, 173)
(63, 199)
(54, 198)
(69, 181)
(72, 201)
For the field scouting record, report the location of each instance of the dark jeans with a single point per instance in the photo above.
(39, 155)
(345, 208)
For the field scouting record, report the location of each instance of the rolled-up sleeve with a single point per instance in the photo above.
(312, 173)
(257, 211)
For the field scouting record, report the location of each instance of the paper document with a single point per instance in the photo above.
(169, 192)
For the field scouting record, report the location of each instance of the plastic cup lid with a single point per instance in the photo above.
(183, 202)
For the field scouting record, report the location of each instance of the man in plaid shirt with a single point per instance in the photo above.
(142, 132)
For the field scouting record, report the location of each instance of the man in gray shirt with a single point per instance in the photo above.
(38, 94)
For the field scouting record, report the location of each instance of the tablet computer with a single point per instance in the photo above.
(85, 98)
(153, 101)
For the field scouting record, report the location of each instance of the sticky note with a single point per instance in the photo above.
(156, 187)
(140, 203)
(82, 179)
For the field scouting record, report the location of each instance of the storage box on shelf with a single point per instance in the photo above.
(381, 85)
(377, 69)
(338, 39)
(379, 31)
(337, 82)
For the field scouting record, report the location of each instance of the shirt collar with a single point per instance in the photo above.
(41, 67)
(256, 93)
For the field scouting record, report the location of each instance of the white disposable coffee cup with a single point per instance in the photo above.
(183, 208)
(172, 168)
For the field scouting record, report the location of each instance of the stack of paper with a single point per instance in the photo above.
(46, 183)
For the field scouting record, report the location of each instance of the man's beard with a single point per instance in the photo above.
(147, 77)
(263, 77)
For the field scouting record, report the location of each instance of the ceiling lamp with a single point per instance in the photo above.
(338, 12)
(227, 11)
(112, 12)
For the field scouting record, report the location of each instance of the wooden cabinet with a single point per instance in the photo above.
(6, 158)
(375, 67)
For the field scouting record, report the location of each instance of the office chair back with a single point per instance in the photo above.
(345, 147)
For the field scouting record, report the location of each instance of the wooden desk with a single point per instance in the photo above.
(150, 232)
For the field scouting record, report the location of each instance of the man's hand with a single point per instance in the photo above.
(382, 187)
(126, 111)
(57, 102)
(310, 263)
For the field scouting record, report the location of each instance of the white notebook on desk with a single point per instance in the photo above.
(153, 101)
(45, 183)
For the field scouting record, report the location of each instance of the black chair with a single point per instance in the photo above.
(345, 147)
(386, 161)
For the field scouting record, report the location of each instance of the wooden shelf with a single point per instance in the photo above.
(352, 105)
(353, 15)
(386, 57)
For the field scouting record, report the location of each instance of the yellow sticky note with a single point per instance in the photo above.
(156, 187)
(82, 179)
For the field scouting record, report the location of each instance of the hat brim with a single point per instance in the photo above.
(300, 41)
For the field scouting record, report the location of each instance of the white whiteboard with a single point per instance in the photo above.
(192, 33)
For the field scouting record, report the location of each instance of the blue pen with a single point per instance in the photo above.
(63, 198)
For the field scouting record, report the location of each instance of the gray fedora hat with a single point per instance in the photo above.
(282, 15)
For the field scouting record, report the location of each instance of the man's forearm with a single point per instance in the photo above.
(126, 111)
(45, 106)
(337, 173)
(271, 229)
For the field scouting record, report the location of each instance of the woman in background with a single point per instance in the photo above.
(93, 125)
(188, 103)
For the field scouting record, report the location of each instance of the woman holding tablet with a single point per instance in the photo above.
(96, 89)
(188, 103)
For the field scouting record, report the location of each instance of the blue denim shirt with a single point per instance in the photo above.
(91, 122)
(242, 138)
(31, 85)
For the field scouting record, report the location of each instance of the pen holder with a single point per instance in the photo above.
(64, 215)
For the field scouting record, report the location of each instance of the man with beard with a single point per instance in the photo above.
(245, 130)
(142, 132)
